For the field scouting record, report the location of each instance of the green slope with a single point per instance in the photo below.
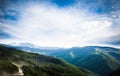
(101, 60)
(7, 68)
(36, 65)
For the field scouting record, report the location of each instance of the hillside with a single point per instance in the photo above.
(101, 60)
(13, 61)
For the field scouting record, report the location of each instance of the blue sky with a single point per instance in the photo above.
(60, 23)
(63, 3)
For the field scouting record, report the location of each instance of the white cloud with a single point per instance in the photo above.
(47, 25)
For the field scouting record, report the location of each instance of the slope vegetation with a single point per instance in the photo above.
(31, 64)
(101, 60)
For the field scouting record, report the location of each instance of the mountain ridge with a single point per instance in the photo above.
(88, 57)
(37, 65)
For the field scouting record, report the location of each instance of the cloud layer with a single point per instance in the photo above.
(46, 24)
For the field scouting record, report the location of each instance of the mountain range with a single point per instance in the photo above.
(14, 62)
(98, 59)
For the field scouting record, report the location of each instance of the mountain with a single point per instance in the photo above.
(89, 57)
(15, 62)
(29, 47)
(101, 60)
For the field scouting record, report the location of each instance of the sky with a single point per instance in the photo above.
(60, 23)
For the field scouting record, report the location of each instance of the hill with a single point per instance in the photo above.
(101, 60)
(14, 62)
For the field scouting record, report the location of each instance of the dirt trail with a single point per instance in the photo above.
(20, 72)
